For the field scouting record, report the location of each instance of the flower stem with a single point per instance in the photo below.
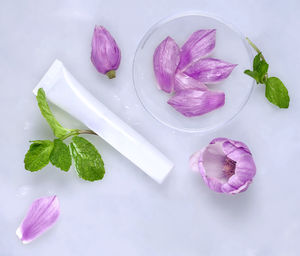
(255, 47)
(77, 132)
(87, 132)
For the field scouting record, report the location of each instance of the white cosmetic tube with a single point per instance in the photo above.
(63, 90)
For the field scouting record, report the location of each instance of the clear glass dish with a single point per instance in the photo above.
(231, 46)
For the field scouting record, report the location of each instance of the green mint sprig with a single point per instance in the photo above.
(275, 91)
(56, 127)
(88, 161)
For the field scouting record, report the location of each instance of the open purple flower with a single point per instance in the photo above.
(199, 45)
(165, 61)
(209, 70)
(105, 54)
(195, 102)
(226, 166)
(42, 214)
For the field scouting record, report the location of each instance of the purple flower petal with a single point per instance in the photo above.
(183, 81)
(230, 146)
(194, 160)
(199, 45)
(226, 166)
(195, 102)
(165, 61)
(42, 215)
(209, 70)
(226, 188)
(105, 54)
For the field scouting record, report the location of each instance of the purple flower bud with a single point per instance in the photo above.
(183, 81)
(42, 214)
(165, 61)
(199, 45)
(195, 102)
(105, 54)
(226, 166)
(209, 70)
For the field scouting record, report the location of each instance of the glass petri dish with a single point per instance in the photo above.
(231, 46)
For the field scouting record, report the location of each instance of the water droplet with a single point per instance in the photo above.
(27, 126)
(23, 191)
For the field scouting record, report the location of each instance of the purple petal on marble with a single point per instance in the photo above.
(106, 54)
(42, 214)
(195, 102)
(227, 166)
(209, 70)
(183, 81)
(165, 61)
(199, 45)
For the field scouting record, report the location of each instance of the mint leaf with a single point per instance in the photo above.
(277, 93)
(256, 61)
(88, 161)
(58, 130)
(37, 157)
(253, 74)
(61, 156)
(260, 69)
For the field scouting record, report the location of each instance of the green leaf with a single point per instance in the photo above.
(277, 93)
(256, 61)
(58, 130)
(88, 161)
(253, 74)
(262, 70)
(38, 155)
(61, 156)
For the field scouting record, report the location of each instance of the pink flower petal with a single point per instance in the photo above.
(195, 102)
(231, 145)
(245, 168)
(199, 45)
(213, 161)
(196, 163)
(226, 188)
(165, 61)
(42, 214)
(183, 81)
(194, 160)
(214, 184)
(240, 179)
(209, 70)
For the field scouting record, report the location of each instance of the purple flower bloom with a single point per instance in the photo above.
(209, 70)
(165, 61)
(226, 166)
(183, 81)
(199, 45)
(42, 215)
(105, 54)
(195, 102)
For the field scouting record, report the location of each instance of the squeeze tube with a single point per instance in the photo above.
(63, 90)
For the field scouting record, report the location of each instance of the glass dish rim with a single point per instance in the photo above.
(169, 18)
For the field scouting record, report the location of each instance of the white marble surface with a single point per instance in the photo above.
(128, 213)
